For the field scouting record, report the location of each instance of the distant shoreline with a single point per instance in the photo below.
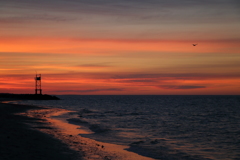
(28, 96)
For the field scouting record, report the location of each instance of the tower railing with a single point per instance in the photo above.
(38, 89)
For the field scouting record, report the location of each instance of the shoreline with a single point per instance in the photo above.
(68, 134)
(18, 140)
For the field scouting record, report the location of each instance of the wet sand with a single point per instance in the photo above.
(21, 141)
(30, 132)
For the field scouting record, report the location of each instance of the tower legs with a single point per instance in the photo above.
(38, 89)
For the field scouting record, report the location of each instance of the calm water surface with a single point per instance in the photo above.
(165, 127)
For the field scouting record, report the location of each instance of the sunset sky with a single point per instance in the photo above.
(120, 47)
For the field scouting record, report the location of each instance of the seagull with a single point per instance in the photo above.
(194, 44)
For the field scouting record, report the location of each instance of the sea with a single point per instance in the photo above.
(161, 127)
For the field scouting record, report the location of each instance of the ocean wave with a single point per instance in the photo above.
(84, 111)
(77, 121)
(99, 128)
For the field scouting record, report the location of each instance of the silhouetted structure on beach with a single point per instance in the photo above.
(38, 89)
(9, 96)
(37, 96)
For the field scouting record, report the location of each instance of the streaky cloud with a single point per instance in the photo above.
(181, 87)
(139, 11)
(90, 90)
(138, 81)
(102, 65)
(176, 76)
(23, 19)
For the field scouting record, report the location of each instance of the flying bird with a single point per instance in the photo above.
(194, 44)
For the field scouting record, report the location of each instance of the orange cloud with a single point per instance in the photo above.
(60, 84)
(105, 46)
(88, 66)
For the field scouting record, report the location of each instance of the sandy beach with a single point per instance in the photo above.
(30, 132)
(18, 140)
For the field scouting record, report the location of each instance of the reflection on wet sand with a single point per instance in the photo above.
(69, 134)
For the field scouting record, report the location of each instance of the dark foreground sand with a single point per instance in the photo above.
(29, 132)
(19, 141)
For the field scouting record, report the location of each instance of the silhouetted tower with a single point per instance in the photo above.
(38, 89)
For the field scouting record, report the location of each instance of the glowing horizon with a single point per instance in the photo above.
(120, 47)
